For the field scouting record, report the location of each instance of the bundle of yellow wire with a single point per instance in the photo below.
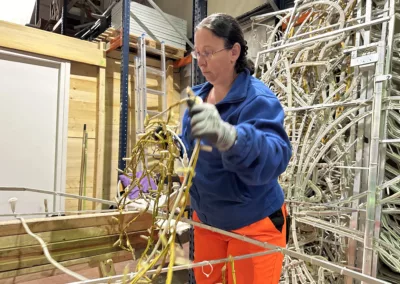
(158, 141)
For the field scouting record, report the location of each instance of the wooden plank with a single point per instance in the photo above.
(84, 71)
(25, 240)
(82, 89)
(71, 253)
(100, 134)
(116, 55)
(73, 181)
(48, 270)
(74, 150)
(14, 227)
(37, 41)
(73, 250)
(173, 96)
(81, 113)
(82, 100)
(71, 204)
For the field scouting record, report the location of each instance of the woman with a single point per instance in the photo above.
(236, 185)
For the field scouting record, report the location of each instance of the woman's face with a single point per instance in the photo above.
(215, 62)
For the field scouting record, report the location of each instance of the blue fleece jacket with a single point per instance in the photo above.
(238, 187)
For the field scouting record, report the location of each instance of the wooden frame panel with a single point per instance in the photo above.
(46, 43)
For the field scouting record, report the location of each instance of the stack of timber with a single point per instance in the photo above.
(76, 242)
(147, 20)
(113, 38)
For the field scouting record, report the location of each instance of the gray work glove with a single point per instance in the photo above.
(207, 124)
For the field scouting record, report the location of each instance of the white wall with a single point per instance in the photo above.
(233, 7)
(17, 11)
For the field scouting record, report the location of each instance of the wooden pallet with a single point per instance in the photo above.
(113, 39)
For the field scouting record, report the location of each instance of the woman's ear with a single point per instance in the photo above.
(235, 51)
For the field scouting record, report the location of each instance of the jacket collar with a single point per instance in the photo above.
(237, 93)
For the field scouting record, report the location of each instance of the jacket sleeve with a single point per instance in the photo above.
(185, 136)
(262, 149)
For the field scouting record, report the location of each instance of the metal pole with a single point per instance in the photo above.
(37, 11)
(64, 17)
(199, 13)
(123, 120)
(166, 18)
(387, 36)
(58, 194)
(357, 130)
(270, 15)
(373, 165)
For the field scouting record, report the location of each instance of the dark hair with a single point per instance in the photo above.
(227, 27)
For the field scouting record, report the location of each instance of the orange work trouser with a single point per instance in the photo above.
(264, 269)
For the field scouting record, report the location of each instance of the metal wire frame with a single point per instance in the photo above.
(270, 248)
(333, 138)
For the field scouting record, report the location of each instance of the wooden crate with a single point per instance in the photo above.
(113, 39)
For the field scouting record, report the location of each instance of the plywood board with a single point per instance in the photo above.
(100, 132)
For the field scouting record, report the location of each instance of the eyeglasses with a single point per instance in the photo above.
(207, 55)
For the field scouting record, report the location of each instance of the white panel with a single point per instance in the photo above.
(31, 147)
(148, 20)
(232, 7)
(181, 9)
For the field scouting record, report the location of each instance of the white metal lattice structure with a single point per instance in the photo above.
(332, 73)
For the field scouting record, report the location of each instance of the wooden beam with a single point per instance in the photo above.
(172, 96)
(71, 250)
(48, 270)
(21, 241)
(100, 132)
(41, 42)
(9, 228)
(36, 249)
(68, 238)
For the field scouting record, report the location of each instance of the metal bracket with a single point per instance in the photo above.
(382, 78)
(107, 268)
(364, 60)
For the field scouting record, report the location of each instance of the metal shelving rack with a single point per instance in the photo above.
(123, 126)
(125, 75)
